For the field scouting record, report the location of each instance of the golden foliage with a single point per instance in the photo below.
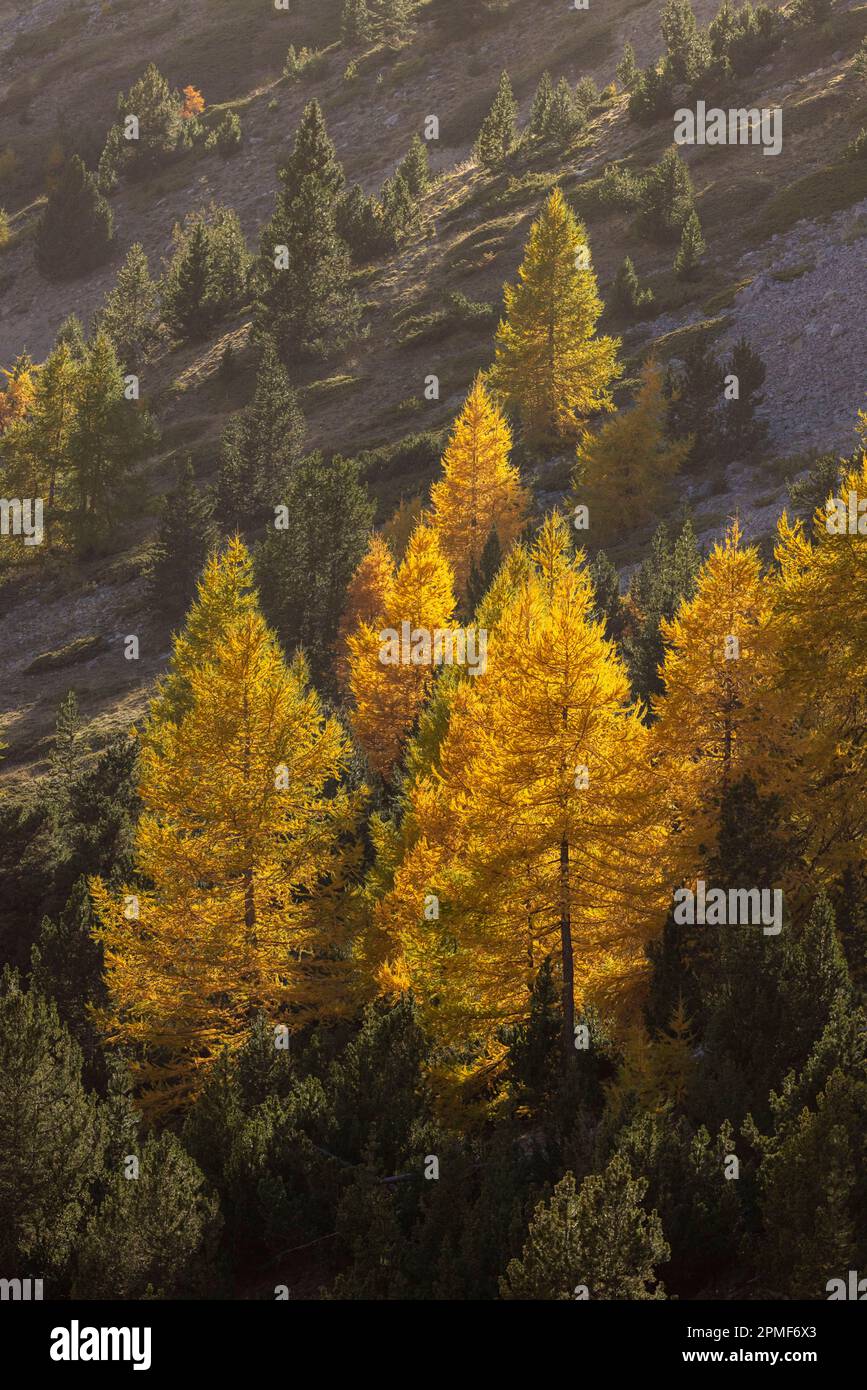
(480, 490)
(549, 367)
(241, 846)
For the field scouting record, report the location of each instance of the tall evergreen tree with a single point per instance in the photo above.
(157, 111)
(130, 311)
(188, 298)
(743, 433)
(626, 471)
(66, 967)
(260, 448)
(50, 1137)
(303, 569)
(154, 1236)
(498, 133)
(415, 167)
(696, 397)
(541, 108)
(307, 302)
(627, 295)
(76, 229)
(692, 248)
(666, 198)
(109, 435)
(186, 537)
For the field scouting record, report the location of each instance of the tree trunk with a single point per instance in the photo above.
(566, 950)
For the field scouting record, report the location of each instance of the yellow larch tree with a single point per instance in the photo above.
(390, 674)
(17, 396)
(240, 846)
(480, 490)
(540, 829)
(625, 471)
(820, 600)
(368, 596)
(718, 716)
(549, 367)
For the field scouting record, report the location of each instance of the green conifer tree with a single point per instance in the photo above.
(498, 133)
(76, 229)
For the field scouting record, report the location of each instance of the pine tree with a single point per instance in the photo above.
(186, 537)
(67, 750)
(692, 248)
(303, 568)
(355, 23)
(743, 434)
(627, 68)
(664, 579)
(76, 229)
(696, 396)
(154, 1236)
(608, 605)
(563, 117)
(388, 695)
(626, 471)
(688, 51)
(498, 133)
(66, 967)
(71, 334)
(368, 596)
(359, 222)
(627, 295)
(130, 310)
(313, 155)
(108, 436)
(666, 199)
(307, 304)
(391, 19)
(237, 839)
(809, 12)
(415, 168)
(188, 299)
(480, 490)
(598, 1238)
(260, 448)
(50, 1140)
(541, 108)
(549, 366)
(158, 111)
(399, 212)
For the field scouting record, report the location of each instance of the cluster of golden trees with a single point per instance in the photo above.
(536, 809)
(541, 813)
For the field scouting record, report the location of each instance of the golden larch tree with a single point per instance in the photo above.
(626, 470)
(480, 489)
(540, 829)
(368, 596)
(240, 845)
(718, 716)
(387, 680)
(550, 368)
(820, 602)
